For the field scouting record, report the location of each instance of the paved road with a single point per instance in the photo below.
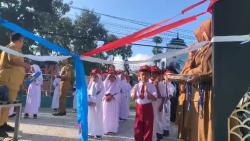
(49, 128)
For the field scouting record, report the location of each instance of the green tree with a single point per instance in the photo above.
(88, 27)
(39, 17)
(125, 52)
(88, 30)
(157, 50)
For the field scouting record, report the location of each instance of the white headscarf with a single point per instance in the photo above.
(111, 87)
(38, 69)
(95, 87)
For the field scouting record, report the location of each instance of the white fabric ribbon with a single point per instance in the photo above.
(98, 60)
(34, 57)
(233, 38)
(166, 55)
(169, 55)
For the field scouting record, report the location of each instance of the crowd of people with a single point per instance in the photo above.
(109, 93)
(160, 96)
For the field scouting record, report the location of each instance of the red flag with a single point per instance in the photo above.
(128, 40)
(193, 6)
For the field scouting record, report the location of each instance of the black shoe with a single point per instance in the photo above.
(54, 110)
(111, 133)
(7, 128)
(26, 115)
(121, 119)
(159, 136)
(98, 137)
(3, 134)
(91, 136)
(35, 116)
(13, 115)
(166, 133)
(59, 114)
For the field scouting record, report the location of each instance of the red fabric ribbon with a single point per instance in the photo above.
(168, 27)
(193, 6)
(130, 39)
(127, 38)
(210, 7)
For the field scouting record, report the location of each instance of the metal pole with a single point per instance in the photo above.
(17, 122)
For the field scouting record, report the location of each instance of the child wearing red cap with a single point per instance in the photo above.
(144, 93)
(156, 80)
(170, 89)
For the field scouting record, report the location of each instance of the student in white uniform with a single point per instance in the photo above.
(56, 95)
(144, 93)
(33, 99)
(158, 104)
(125, 97)
(95, 95)
(111, 104)
(170, 89)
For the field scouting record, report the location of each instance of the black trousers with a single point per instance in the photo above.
(174, 103)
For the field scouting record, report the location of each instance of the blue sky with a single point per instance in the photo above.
(149, 11)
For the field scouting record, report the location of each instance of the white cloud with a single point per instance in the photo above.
(139, 57)
(133, 67)
(120, 65)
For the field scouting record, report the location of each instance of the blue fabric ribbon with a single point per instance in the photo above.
(33, 37)
(189, 94)
(33, 77)
(81, 91)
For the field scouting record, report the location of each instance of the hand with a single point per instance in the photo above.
(133, 95)
(151, 97)
(146, 88)
(108, 98)
(194, 78)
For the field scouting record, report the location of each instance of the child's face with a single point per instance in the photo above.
(144, 76)
(112, 68)
(112, 78)
(94, 77)
(128, 78)
(166, 76)
(154, 76)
